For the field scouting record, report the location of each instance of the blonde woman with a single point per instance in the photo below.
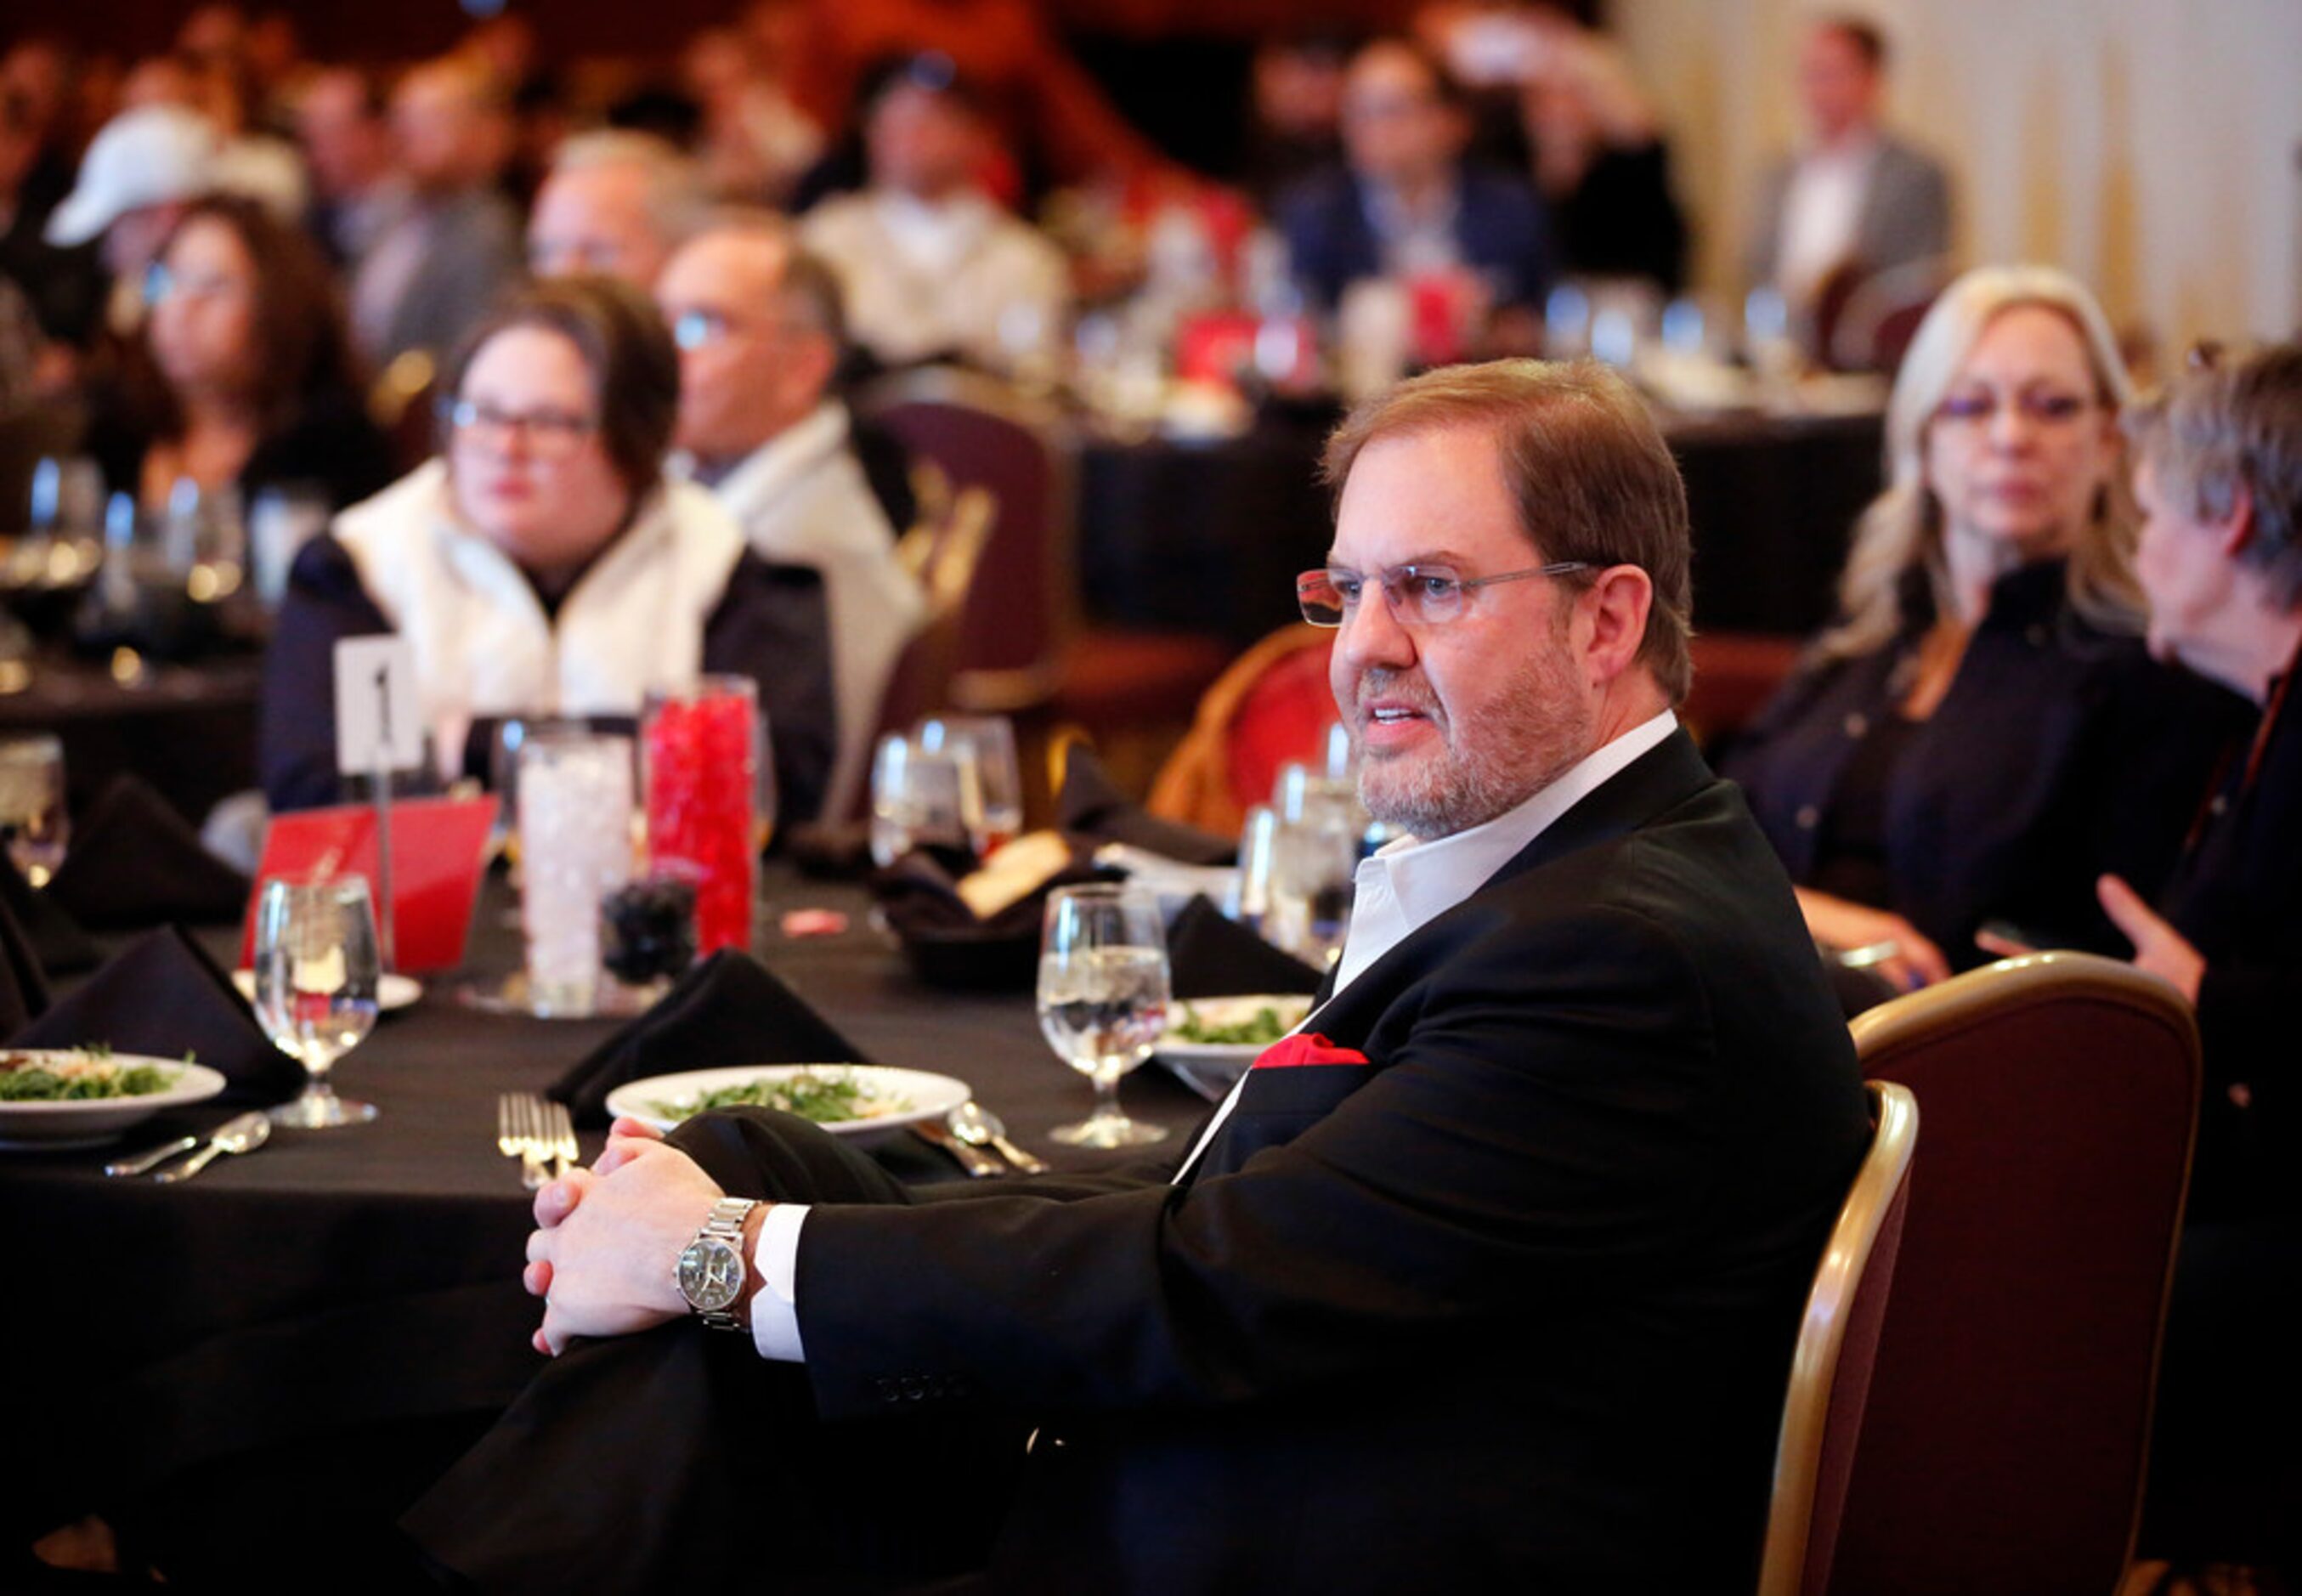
(1982, 728)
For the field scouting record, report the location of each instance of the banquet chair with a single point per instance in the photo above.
(399, 401)
(1270, 708)
(2007, 1431)
(1836, 1351)
(942, 553)
(1021, 610)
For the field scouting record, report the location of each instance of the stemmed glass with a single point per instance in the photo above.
(34, 825)
(1103, 999)
(315, 981)
(991, 781)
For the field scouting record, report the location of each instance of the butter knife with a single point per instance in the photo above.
(975, 1161)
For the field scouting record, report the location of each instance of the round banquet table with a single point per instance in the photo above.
(333, 1280)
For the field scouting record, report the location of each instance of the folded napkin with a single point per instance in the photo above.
(136, 861)
(57, 940)
(162, 996)
(1092, 805)
(951, 941)
(1210, 956)
(725, 1011)
(23, 988)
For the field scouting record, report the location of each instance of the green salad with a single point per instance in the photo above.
(84, 1077)
(1264, 1025)
(822, 1096)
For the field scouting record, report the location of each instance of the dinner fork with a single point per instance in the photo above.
(562, 1130)
(519, 1135)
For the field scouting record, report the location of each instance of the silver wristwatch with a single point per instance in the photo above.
(711, 1271)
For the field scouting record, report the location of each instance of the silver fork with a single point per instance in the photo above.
(519, 1134)
(562, 1130)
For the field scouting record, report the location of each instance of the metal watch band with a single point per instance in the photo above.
(726, 1225)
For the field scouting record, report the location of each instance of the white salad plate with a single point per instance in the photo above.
(1225, 1061)
(901, 1097)
(92, 1122)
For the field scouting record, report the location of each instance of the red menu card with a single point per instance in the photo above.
(439, 848)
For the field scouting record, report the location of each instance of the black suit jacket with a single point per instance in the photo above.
(1509, 1305)
(1499, 227)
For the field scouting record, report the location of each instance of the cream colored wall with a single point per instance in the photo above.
(2152, 146)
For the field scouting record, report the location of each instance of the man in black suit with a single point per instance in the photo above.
(1487, 1279)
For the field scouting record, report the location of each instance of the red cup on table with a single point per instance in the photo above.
(701, 758)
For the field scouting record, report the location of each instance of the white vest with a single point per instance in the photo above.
(633, 624)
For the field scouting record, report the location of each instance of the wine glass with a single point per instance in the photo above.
(991, 781)
(1103, 999)
(917, 799)
(315, 979)
(33, 823)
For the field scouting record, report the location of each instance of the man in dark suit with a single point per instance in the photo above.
(1406, 203)
(1487, 1279)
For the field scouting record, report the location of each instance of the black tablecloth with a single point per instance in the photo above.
(1209, 536)
(341, 1278)
(190, 730)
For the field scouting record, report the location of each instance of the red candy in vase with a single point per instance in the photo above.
(701, 764)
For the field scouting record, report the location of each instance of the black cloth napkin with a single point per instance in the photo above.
(1210, 956)
(57, 939)
(135, 862)
(1092, 805)
(946, 945)
(725, 1011)
(162, 996)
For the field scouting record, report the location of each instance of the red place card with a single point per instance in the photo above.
(439, 850)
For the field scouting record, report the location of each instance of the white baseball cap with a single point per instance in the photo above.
(147, 156)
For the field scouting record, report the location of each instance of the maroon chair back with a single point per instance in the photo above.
(1837, 1349)
(2007, 1429)
(982, 434)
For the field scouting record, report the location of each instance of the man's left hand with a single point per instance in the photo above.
(609, 1237)
(2158, 947)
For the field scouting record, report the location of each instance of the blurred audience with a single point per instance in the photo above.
(140, 172)
(1041, 103)
(242, 375)
(756, 141)
(1599, 160)
(1405, 205)
(62, 289)
(929, 266)
(343, 122)
(1294, 127)
(1856, 199)
(40, 75)
(1982, 732)
(441, 263)
(544, 564)
(617, 203)
(759, 331)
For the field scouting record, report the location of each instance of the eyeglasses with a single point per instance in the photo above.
(693, 330)
(1419, 595)
(160, 284)
(551, 434)
(2046, 406)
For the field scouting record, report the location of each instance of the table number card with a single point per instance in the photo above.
(378, 720)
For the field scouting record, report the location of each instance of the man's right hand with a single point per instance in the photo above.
(1876, 938)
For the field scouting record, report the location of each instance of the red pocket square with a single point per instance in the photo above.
(1306, 1048)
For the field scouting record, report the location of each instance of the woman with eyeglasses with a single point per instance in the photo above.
(1981, 732)
(241, 377)
(544, 564)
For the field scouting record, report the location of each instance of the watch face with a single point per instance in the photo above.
(710, 1274)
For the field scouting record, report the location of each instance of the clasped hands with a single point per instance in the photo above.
(607, 1239)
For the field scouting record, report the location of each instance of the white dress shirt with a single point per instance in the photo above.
(1407, 884)
(1820, 214)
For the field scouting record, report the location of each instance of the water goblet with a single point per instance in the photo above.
(33, 822)
(1103, 999)
(917, 799)
(991, 782)
(315, 982)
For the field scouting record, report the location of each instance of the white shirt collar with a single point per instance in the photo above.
(761, 476)
(1424, 880)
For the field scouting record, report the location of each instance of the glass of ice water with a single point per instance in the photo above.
(33, 823)
(1103, 999)
(315, 981)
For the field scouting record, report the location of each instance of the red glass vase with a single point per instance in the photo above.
(701, 761)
